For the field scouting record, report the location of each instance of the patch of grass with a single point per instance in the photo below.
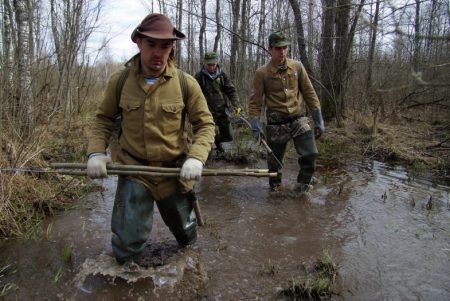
(7, 287)
(67, 253)
(417, 168)
(316, 284)
(245, 149)
(35, 231)
(332, 152)
(49, 230)
(220, 247)
(268, 270)
(57, 276)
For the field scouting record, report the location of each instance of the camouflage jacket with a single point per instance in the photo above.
(218, 91)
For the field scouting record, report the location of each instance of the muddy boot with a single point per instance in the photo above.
(275, 187)
(130, 260)
(275, 182)
(219, 148)
(304, 188)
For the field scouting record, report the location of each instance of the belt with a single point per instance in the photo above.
(152, 163)
(286, 120)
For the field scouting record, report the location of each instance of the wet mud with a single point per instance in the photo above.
(388, 233)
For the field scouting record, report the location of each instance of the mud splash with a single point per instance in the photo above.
(165, 275)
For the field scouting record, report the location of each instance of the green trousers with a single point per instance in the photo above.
(305, 146)
(132, 218)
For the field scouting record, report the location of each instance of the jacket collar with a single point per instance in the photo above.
(273, 67)
(214, 75)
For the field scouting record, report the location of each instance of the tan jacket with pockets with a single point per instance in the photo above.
(285, 92)
(152, 129)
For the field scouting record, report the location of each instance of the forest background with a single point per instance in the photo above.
(380, 68)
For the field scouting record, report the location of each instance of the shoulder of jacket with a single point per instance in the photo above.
(189, 78)
(116, 75)
(261, 70)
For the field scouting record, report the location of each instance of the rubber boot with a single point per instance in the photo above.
(178, 214)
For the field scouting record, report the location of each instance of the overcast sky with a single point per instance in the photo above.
(118, 20)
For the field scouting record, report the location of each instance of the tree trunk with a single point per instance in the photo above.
(218, 28)
(7, 71)
(326, 60)
(374, 32)
(179, 26)
(23, 86)
(261, 37)
(340, 92)
(340, 52)
(236, 5)
(311, 31)
(201, 34)
(242, 44)
(416, 50)
(300, 35)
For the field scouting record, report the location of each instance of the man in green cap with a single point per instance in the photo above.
(287, 92)
(153, 99)
(219, 91)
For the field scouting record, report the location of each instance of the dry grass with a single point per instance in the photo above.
(405, 141)
(26, 197)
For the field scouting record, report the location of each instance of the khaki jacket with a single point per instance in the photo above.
(152, 129)
(286, 92)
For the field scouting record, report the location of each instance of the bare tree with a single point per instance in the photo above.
(180, 26)
(260, 40)
(236, 5)
(218, 27)
(300, 35)
(201, 34)
(326, 60)
(373, 40)
(23, 85)
(416, 50)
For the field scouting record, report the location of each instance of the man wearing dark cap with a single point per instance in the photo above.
(219, 91)
(287, 92)
(153, 99)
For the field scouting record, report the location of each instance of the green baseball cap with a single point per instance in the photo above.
(211, 58)
(278, 39)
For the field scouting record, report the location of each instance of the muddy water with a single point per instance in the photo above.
(389, 240)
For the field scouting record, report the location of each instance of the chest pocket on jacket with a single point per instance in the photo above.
(131, 110)
(171, 116)
(129, 106)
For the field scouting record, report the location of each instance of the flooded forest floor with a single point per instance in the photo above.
(386, 228)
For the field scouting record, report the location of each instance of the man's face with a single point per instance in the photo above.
(279, 54)
(154, 54)
(211, 68)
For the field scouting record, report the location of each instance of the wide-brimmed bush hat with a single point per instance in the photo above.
(157, 26)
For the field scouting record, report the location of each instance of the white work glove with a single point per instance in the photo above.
(96, 165)
(191, 169)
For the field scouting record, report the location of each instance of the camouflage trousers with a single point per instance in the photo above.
(223, 129)
(278, 136)
(132, 218)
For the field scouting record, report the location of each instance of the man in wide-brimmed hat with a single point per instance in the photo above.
(153, 99)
